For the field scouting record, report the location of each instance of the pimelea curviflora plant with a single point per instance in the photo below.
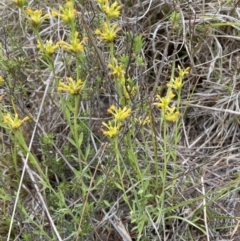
(77, 171)
(169, 111)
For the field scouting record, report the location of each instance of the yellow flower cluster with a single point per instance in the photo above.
(129, 90)
(177, 83)
(36, 17)
(73, 88)
(75, 46)
(48, 48)
(111, 11)
(118, 71)
(14, 123)
(142, 121)
(67, 13)
(119, 114)
(170, 112)
(108, 31)
(164, 102)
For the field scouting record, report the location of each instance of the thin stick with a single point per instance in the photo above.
(205, 209)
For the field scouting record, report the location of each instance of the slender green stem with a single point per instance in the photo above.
(165, 153)
(15, 154)
(119, 169)
(76, 131)
(117, 157)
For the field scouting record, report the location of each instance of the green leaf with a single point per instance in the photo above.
(106, 203)
(118, 186)
(80, 139)
(72, 142)
(87, 152)
(140, 191)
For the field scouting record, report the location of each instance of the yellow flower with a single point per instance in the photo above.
(112, 11)
(107, 33)
(47, 48)
(20, 3)
(117, 69)
(75, 45)
(164, 101)
(183, 72)
(171, 114)
(68, 12)
(35, 17)
(14, 123)
(128, 90)
(72, 88)
(119, 114)
(112, 130)
(176, 83)
(142, 121)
